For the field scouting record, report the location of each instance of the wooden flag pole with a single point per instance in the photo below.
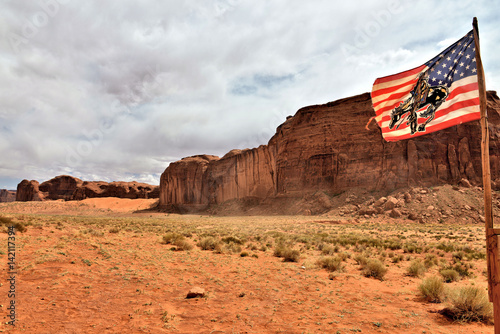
(492, 257)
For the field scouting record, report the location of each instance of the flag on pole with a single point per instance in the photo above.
(441, 93)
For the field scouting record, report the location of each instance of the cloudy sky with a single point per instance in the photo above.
(116, 90)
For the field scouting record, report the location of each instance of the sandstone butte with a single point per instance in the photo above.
(71, 188)
(326, 148)
(7, 195)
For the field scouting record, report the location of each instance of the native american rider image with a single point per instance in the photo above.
(422, 94)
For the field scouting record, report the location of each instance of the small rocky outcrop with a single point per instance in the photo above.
(7, 195)
(71, 188)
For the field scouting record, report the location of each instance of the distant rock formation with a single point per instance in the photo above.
(327, 148)
(71, 188)
(7, 195)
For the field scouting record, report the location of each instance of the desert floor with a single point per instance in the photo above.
(109, 266)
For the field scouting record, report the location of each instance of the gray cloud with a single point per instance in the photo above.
(115, 90)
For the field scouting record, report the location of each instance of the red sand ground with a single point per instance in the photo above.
(72, 281)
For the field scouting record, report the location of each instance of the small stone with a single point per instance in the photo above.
(407, 197)
(390, 204)
(380, 201)
(466, 207)
(465, 183)
(196, 292)
(482, 218)
(412, 216)
(430, 208)
(395, 213)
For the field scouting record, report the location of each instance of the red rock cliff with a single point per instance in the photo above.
(326, 147)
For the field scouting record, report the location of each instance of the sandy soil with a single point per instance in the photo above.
(78, 275)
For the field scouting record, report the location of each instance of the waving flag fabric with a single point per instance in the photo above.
(441, 93)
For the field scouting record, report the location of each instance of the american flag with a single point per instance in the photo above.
(453, 70)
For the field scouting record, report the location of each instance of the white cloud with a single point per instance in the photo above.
(116, 90)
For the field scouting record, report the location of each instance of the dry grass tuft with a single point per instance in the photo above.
(432, 289)
(469, 304)
(374, 268)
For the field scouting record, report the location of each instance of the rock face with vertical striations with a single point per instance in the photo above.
(68, 188)
(327, 148)
(7, 195)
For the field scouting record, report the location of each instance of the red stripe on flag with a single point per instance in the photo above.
(396, 96)
(437, 127)
(387, 90)
(399, 75)
(463, 89)
(443, 112)
(387, 108)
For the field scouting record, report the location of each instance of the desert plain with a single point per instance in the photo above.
(111, 265)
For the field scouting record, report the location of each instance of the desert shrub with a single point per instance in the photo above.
(114, 230)
(331, 263)
(231, 239)
(397, 258)
(218, 248)
(291, 255)
(374, 268)
(416, 269)
(172, 238)
(208, 243)
(344, 256)
(458, 256)
(450, 275)
(469, 304)
(360, 259)
(447, 247)
(412, 248)
(182, 245)
(432, 289)
(394, 245)
(329, 250)
(462, 269)
(18, 226)
(233, 247)
(430, 260)
(287, 253)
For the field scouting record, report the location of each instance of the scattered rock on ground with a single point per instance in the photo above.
(407, 197)
(380, 201)
(412, 216)
(196, 292)
(465, 183)
(395, 213)
(390, 203)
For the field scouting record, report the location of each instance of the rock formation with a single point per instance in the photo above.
(327, 148)
(7, 195)
(70, 188)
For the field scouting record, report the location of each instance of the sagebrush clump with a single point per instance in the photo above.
(432, 289)
(374, 268)
(469, 304)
